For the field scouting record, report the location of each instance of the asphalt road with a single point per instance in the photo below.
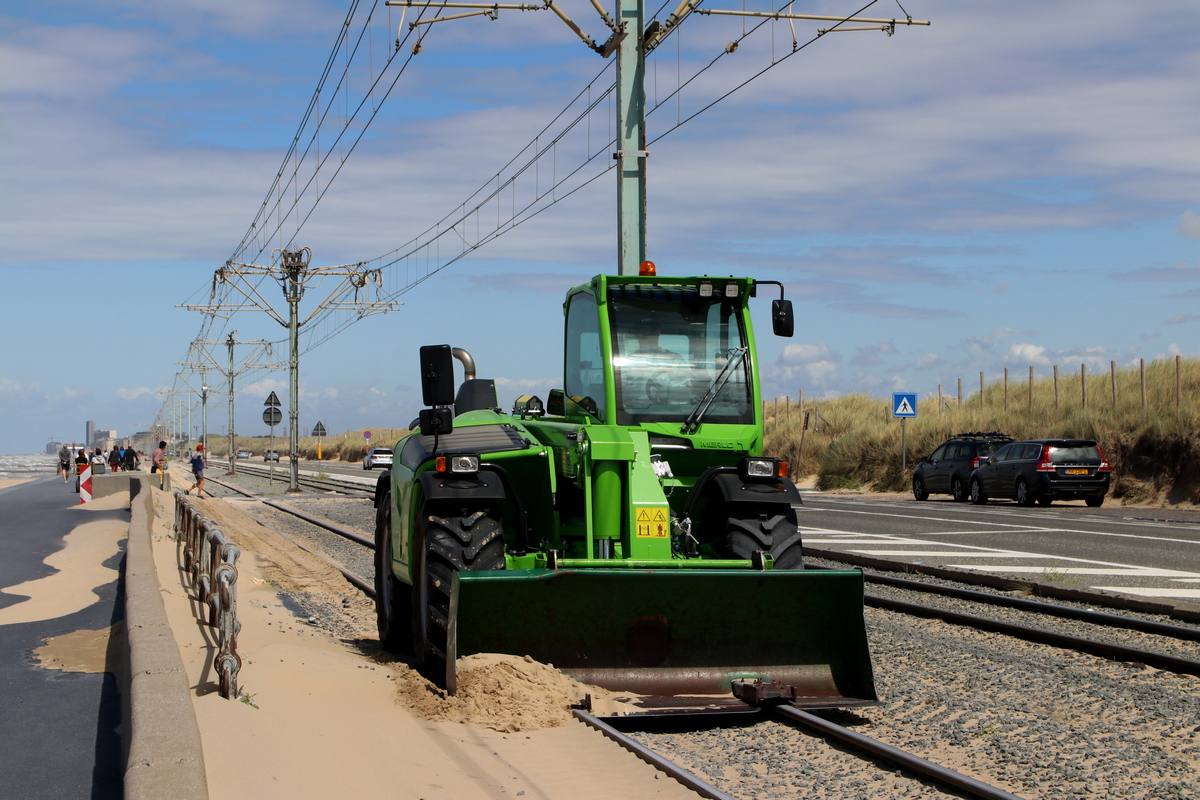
(59, 731)
(1136, 550)
(1142, 551)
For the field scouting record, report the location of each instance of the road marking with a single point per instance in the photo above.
(1021, 528)
(1132, 572)
(1008, 513)
(1180, 593)
(935, 553)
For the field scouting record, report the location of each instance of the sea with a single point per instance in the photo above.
(28, 466)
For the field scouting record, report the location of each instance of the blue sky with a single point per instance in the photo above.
(1017, 184)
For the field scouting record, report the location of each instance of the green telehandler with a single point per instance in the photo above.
(628, 530)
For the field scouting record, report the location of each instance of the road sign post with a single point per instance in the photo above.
(272, 416)
(318, 432)
(904, 406)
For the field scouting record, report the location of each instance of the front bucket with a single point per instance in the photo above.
(674, 632)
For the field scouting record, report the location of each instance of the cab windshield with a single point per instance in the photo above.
(669, 346)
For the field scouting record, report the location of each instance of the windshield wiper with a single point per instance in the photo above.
(692, 423)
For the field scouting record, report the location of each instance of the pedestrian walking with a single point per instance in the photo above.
(132, 462)
(64, 462)
(158, 461)
(198, 471)
(81, 462)
(114, 460)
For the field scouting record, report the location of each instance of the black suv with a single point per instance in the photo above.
(948, 469)
(1042, 471)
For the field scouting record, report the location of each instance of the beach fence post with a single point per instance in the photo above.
(1142, 370)
(1031, 387)
(1083, 384)
(1006, 388)
(1112, 371)
(1178, 381)
(981, 391)
(1056, 387)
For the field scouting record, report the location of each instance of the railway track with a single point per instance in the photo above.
(870, 749)
(346, 487)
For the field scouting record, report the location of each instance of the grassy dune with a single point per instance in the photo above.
(1154, 451)
(348, 446)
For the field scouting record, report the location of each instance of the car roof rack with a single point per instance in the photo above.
(983, 435)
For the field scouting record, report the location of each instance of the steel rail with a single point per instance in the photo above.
(320, 523)
(652, 758)
(1117, 652)
(345, 487)
(1035, 606)
(363, 585)
(902, 758)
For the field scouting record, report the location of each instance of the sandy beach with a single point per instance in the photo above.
(331, 716)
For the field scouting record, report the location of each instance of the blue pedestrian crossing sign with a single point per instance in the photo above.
(904, 404)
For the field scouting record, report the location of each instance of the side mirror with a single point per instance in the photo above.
(782, 322)
(437, 389)
(437, 375)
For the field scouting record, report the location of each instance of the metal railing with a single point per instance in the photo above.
(211, 564)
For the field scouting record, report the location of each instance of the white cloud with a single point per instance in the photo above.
(1189, 224)
(1027, 353)
(928, 361)
(804, 353)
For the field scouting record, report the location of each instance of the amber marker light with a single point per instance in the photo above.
(647, 269)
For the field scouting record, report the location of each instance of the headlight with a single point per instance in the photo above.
(760, 468)
(458, 465)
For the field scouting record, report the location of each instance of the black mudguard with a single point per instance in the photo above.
(482, 486)
(775, 490)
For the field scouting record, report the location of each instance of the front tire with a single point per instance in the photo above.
(772, 531)
(393, 599)
(455, 537)
(977, 495)
(919, 490)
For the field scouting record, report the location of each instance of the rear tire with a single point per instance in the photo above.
(958, 491)
(977, 495)
(919, 490)
(455, 537)
(1094, 502)
(1024, 496)
(1044, 502)
(771, 531)
(393, 599)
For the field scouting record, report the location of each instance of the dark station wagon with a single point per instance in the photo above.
(948, 468)
(1042, 471)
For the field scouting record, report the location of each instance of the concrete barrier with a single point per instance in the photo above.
(164, 755)
(112, 483)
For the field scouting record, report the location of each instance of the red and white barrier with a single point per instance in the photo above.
(85, 484)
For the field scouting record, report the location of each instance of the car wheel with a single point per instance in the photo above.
(977, 495)
(957, 490)
(919, 490)
(1024, 496)
(1094, 502)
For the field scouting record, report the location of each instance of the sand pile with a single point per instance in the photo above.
(502, 692)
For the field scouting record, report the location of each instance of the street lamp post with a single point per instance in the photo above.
(204, 417)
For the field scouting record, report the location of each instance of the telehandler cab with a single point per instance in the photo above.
(628, 530)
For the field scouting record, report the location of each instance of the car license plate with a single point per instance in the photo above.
(1077, 472)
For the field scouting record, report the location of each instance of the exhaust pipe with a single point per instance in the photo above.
(467, 362)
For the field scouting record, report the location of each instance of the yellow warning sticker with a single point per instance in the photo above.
(652, 522)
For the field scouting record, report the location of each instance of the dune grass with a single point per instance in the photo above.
(347, 446)
(1154, 451)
